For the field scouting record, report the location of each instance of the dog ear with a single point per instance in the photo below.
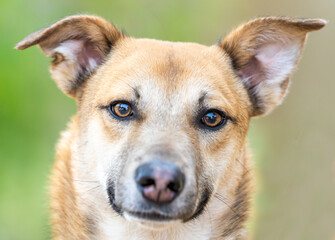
(78, 44)
(264, 53)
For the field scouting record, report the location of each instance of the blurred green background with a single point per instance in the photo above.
(294, 147)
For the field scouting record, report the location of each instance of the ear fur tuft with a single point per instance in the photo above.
(78, 44)
(264, 53)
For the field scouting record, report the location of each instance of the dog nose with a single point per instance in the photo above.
(159, 182)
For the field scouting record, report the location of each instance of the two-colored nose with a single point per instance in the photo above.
(159, 182)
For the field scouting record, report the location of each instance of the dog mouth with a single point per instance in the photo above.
(201, 206)
(148, 216)
(154, 215)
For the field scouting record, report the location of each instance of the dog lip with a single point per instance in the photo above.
(201, 206)
(151, 216)
(111, 197)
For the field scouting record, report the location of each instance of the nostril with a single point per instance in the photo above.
(174, 187)
(146, 182)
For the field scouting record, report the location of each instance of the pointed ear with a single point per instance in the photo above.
(264, 53)
(78, 44)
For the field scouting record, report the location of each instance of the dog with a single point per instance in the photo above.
(158, 147)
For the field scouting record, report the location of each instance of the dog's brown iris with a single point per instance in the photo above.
(122, 109)
(212, 119)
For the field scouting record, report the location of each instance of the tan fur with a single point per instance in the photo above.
(91, 28)
(97, 64)
(63, 193)
(243, 42)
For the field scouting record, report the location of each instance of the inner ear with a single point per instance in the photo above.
(79, 45)
(81, 52)
(270, 63)
(265, 72)
(264, 53)
(74, 61)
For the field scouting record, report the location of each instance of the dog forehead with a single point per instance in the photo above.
(178, 73)
(168, 61)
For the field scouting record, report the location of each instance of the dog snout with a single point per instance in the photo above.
(159, 182)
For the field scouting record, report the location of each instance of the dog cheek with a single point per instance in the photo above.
(102, 154)
(217, 161)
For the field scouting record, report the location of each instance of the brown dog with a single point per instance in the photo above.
(158, 147)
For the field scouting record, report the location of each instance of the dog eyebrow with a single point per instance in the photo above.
(135, 96)
(136, 92)
(202, 98)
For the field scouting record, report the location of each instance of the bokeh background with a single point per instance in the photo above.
(294, 147)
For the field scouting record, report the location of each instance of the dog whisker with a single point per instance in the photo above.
(86, 181)
(91, 189)
(246, 169)
(224, 200)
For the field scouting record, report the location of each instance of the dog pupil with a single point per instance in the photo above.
(123, 108)
(211, 118)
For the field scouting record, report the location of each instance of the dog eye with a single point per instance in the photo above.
(121, 109)
(213, 118)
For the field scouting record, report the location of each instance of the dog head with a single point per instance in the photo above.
(161, 124)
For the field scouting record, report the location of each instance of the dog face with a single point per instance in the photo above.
(168, 108)
(161, 124)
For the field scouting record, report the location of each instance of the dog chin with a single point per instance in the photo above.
(152, 222)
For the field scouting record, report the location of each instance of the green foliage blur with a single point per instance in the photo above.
(294, 147)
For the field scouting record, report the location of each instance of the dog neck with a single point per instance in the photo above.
(77, 215)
